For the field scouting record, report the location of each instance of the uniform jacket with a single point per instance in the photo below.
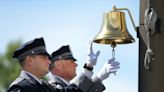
(26, 83)
(58, 82)
(84, 83)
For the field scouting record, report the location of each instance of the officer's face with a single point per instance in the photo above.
(40, 64)
(68, 69)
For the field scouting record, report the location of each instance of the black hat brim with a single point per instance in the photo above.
(43, 53)
(68, 58)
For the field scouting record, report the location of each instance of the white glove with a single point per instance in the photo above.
(109, 67)
(92, 57)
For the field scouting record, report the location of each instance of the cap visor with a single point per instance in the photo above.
(44, 53)
(70, 58)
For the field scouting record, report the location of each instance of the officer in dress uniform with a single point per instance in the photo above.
(34, 61)
(63, 69)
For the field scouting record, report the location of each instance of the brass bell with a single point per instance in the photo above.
(114, 30)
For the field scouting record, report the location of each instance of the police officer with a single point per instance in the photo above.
(63, 69)
(34, 61)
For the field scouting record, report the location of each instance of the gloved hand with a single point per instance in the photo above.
(92, 57)
(109, 67)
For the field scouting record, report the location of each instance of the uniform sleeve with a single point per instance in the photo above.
(97, 85)
(83, 82)
(88, 85)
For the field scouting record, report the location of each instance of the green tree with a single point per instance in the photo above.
(9, 67)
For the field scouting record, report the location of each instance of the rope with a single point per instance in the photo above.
(149, 22)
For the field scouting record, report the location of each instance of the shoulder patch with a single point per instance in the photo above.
(18, 80)
(15, 90)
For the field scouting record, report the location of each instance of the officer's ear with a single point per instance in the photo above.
(29, 60)
(58, 64)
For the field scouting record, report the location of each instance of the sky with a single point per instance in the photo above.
(74, 23)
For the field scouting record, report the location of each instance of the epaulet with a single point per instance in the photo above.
(17, 81)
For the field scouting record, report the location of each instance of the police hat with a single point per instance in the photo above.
(62, 53)
(34, 47)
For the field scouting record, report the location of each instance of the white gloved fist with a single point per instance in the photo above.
(109, 67)
(92, 57)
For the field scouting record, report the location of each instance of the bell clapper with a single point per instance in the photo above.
(113, 45)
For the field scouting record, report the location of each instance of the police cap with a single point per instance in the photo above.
(62, 53)
(33, 47)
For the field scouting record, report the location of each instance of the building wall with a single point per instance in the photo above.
(152, 80)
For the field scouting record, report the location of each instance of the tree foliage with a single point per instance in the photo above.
(9, 67)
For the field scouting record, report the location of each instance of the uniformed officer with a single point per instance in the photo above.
(63, 69)
(34, 61)
(63, 66)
